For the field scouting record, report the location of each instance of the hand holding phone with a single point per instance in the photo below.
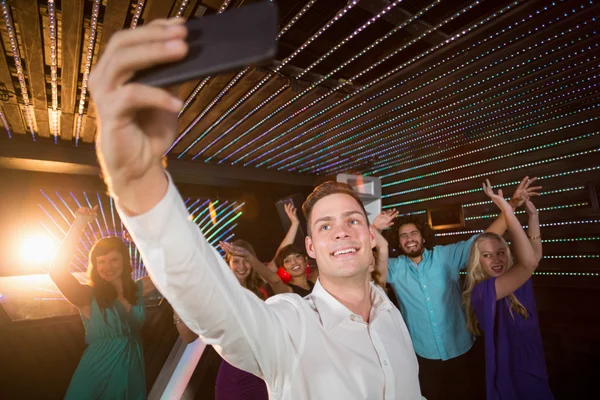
(219, 43)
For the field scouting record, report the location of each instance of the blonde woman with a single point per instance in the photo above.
(500, 303)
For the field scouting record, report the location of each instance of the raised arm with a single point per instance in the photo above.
(525, 259)
(291, 212)
(533, 229)
(137, 126)
(383, 255)
(523, 192)
(261, 269)
(76, 293)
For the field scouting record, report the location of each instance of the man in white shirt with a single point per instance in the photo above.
(344, 341)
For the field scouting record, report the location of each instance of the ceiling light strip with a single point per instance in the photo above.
(468, 191)
(54, 112)
(436, 100)
(12, 35)
(359, 75)
(86, 72)
(473, 46)
(338, 15)
(371, 46)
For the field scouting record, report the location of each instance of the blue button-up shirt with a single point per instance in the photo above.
(430, 298)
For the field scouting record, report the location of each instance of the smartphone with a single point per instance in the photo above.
(220, 43)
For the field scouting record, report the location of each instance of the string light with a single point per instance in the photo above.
(209, 107)
(451, 18)
(545, 273)
(338, 15)
(574, 256)
(387, 89)
(476, 140)
(357, 31)
(86, 71)
(565, 240)
(550, 208)
(12, 36)
(496, 158)
(437, 99)
(435, 133)
(182, 8)
(483, 174)
(201, 85)
(138, 13)
(563, 223)
(564, 190)
(54, 114)
(504, 128)
(555, 175)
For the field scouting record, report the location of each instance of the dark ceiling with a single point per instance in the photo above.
(357, 86)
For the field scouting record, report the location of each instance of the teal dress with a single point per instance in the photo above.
(112, 366)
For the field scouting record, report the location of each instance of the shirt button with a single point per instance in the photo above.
(385, 362)
(431, 312)
(428, 299)
(424, 286)
(434, 324)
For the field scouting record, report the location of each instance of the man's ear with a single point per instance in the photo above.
(310, 250)
(372, 236)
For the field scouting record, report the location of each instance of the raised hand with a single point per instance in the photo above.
(235, 250)
(524, 191)
(497, 198)
(137, 122)
(291, 212)
(385, 219)
(86, 215)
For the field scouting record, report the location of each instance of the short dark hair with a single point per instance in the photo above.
(423, 228)
(326, 189)
(287, 251)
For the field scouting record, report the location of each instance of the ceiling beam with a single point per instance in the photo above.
(10, 107)
(42, 157)
(156, 9)
(27, 16)
(72, 32)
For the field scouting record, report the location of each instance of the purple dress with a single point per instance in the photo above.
(235, 384)
(514, 355)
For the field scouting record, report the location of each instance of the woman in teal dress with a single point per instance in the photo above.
(113, 313)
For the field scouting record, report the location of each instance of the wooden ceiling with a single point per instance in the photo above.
(357, 86)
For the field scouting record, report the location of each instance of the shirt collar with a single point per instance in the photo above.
(332, 312)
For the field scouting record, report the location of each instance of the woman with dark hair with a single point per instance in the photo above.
(112, 309)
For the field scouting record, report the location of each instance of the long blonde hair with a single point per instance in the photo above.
(476, 274)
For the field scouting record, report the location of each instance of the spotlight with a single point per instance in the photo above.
(38, 249)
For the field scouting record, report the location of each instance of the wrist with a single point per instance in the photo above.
(138, 196)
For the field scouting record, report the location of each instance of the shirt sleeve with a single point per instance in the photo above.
(457, 254)
(198, 283)
(393, 264)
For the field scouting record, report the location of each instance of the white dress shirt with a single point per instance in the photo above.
(304, 348)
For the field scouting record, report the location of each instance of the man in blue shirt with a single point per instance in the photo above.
(427, 284)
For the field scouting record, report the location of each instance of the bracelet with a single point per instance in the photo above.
(534, 237)
(176, 320)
